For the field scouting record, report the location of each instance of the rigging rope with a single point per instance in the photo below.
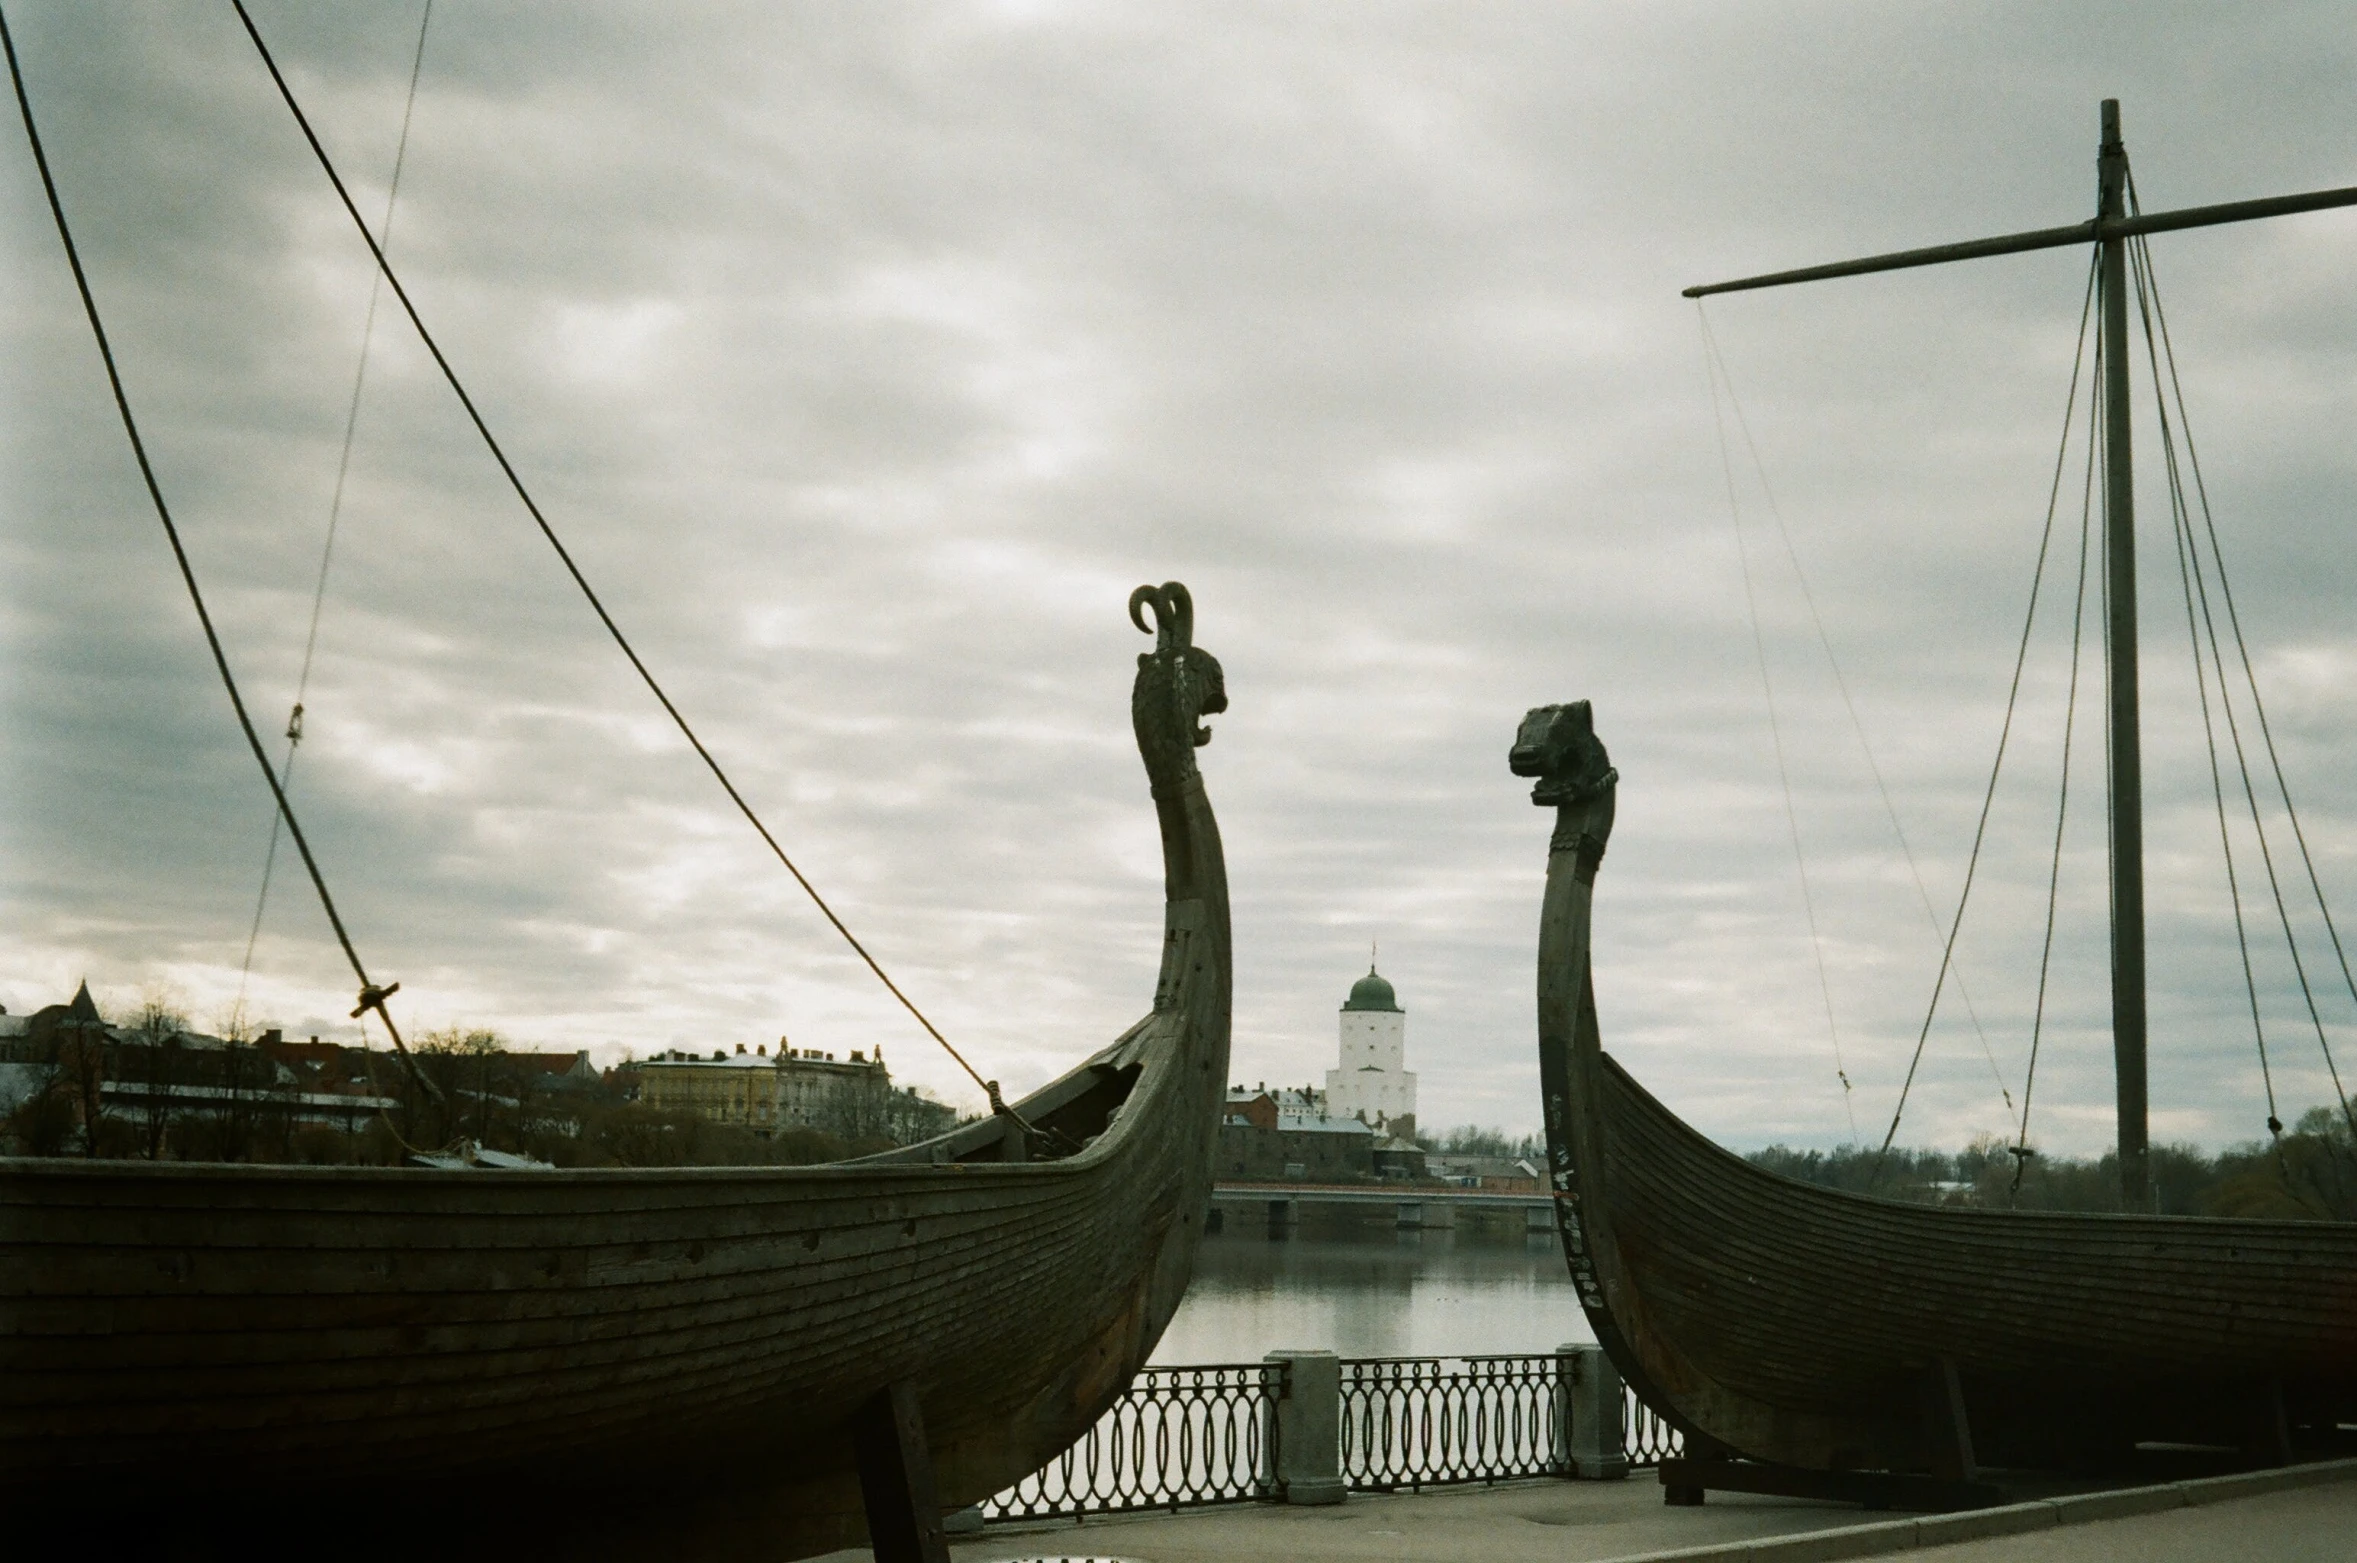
(2193, 635)
(335, 509)
(2167, 347)
(2187, 573)
(564, 555)
(371, 995)
(2195, 579)
(2004, 732)
(1775, 729)
(2062, 808)
(1841, 684)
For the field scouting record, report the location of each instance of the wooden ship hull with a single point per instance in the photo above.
(1804, 1327)
(659, 1354)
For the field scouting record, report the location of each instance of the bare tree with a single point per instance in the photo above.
(83, 1057)
(469, 1067)
(42, 1117)
(916, 1116)
(160, 1033)
(247, 1076)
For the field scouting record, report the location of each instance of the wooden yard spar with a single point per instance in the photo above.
(669, 1352)
(1821, 1343)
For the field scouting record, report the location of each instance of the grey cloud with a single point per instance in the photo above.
(867, 358)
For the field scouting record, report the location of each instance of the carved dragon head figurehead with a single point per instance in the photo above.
(1558, 745)
(1178, 683)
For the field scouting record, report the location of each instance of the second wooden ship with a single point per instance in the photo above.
(1826, 1332)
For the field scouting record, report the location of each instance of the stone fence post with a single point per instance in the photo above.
(1589, 1414)
(1301, 1439)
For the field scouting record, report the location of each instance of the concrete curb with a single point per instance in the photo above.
(2012, 1519)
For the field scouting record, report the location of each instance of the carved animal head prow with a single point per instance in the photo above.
(1178, 682)
(1559, 746)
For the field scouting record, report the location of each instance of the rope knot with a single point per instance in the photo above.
(373, 997)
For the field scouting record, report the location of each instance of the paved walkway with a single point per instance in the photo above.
(2310, 1525)
(2221, 1521)
(1517, 1522)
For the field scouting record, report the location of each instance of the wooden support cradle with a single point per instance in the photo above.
(896, 1478)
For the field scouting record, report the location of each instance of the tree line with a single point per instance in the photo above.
(2309, 1172)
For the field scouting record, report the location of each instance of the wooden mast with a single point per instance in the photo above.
(2127, 765)
(2110, 231)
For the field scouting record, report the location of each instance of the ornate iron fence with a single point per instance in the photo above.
(1644, 1437)
(1179, 1436)
(1427, 1421)
(1185, 1436)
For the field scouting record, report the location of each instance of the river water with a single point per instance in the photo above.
(1368, 1292)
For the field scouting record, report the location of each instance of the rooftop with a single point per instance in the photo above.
(1371, 992)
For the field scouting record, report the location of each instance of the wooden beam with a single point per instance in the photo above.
(2267, 1439)
(1947, 1432)
(2094, 232)
(896, 1478)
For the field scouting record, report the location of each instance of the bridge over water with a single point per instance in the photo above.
(1280, 1205)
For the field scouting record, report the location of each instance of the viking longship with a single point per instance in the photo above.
(1826, 1331)
(1799, 1336)
(710, 1362)
(219, 1339)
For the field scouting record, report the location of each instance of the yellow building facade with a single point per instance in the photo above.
(762, 1092)
(739, 1089)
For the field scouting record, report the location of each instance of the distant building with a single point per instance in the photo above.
(164, 1082)
(328, 1066)
(34, 1038)
(556, 1071)
(738, 1088)
(1398, 1158)
(1373, 1083)
(1272, 1136)
(798, 1087)
(1492, 1174)
(815, 1091)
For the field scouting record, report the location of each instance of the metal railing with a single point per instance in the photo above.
(1178, 1436)
(1428, 1421)
(1644, 1436)
(1186, 1436)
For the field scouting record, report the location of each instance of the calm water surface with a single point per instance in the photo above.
(1373, 1293)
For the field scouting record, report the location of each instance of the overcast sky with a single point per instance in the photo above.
(868, 356)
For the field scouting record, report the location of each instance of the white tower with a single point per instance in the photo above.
(1373, 1083)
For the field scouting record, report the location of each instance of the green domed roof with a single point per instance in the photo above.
(1372, 992)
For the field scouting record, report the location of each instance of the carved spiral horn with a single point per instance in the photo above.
(1174, 614)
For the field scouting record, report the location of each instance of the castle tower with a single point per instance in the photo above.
(1373, 1083)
